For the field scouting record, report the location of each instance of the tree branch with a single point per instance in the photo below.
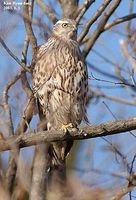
(96, 15)
(126, 189)
(41, 164)
(10, 175)
(13, 56)
(6, 104)
(28, 24)
(47, 10)
(100, 27)
(119, 21)
(69, 8)
(115, 98)
(81, 11)
(85, 132)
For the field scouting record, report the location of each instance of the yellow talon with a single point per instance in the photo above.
(65, 127)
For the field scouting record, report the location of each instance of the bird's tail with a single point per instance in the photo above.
(58, 152)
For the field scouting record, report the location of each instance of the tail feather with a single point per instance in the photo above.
(58, 152)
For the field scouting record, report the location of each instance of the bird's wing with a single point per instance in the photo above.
(43, 67)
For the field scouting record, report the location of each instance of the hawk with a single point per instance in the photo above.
(60, 82)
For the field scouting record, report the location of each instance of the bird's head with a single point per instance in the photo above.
(65, 28)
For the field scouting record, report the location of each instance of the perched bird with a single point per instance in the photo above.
(60, 83)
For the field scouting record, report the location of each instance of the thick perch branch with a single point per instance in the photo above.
(85, 132)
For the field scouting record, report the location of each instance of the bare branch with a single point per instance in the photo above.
(124, 47)
(128, 27)
(126, 189)
(6, 104)
(69, 8)
(85, 132)
(109, 75)
(122, 193)
(92, 77)
(41, 165)
(100, 27)
(47, 11)
(26, 118)
(28, 24)
(117, 99)
(25, 49)
(119, 21)
(93, 19)
(30, 104)
(10, 174)
(13, 56)
(81, 11)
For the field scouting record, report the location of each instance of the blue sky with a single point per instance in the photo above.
(108, 45)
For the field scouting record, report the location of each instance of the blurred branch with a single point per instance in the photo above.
(85, 132)
(13, 56)
(10, 173)
(69, 8)
(81, 11)
(128, 27)
(41, 165)
(6, 104)
(25, 49)
(48, 11)
(124, 48)
(119, 21)
(28, 23)
(126, 189)
(117, 99)
(94, 36)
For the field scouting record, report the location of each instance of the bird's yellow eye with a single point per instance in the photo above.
(65, 25)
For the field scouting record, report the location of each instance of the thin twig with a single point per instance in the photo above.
(113, 98)
(100, 71)
(116, 117)
(119, 21)
(81, 11)
(107, 81)
(132, 164)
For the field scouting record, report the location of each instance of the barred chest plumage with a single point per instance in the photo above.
(61, 82)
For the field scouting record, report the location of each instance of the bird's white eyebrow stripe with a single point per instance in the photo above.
(61, 21)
